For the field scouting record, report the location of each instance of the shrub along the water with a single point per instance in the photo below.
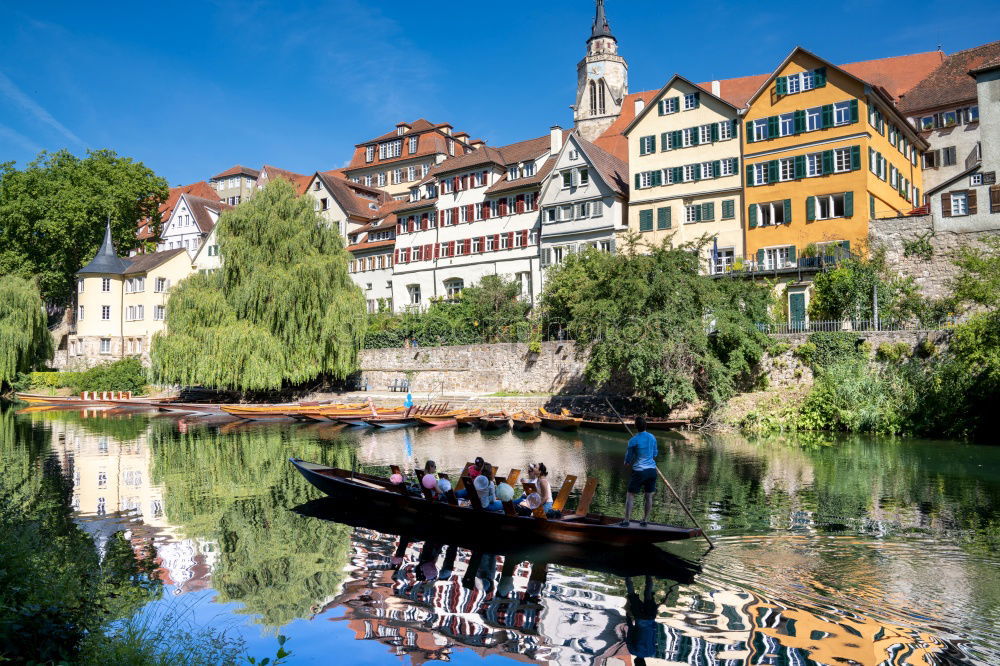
(128, 374)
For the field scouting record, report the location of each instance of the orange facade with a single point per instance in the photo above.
(824, 153)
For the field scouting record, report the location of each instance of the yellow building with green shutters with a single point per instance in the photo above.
(824, 152)
(684, 168)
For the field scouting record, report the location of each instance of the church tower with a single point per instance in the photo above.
(602, 80)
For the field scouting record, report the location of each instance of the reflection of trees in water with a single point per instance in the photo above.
(237, 490)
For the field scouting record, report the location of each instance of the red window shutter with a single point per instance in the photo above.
(534, 201)
(971, 194)
(524, 237)
(496, 242)
(510, 239)
(397, 256)
(503, 207)
(946, 204)
(451, 248)
(468, 245)
(454, 183)
(486, 210)
(428, 252)
(437, 249)
(409, 224)
(520, 203)
(484, 177)
(472, 212)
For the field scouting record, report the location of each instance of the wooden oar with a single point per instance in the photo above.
(669, 487)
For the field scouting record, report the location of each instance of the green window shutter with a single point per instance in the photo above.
(819, 77)
(772, 171)
(657, 178)
(871, 154)
(694, 136)
(677, 103)
(678, 174)
(800, 166)
(670, 219)
(736, 127)
(676, 139)
(772, 126)
(871, 205)
(810, 209)
(708, 211)
(749, 126)
(715, 132)
(661, 218)
(854, 110)
(646, 220)
(752, 216)
(846, 245)
(734, 162)
(659, 107)
(665, 141)
(781, 85)
(697, 213)
(855, 158)
(697, 172)
(637, 181)
(827, 162)
(760, 258)
(799, 121)
(727, 209)
(716, 168)
(788, 211)
(750, 177)
(827, 116)
(697, 100)
(791, 253)
(848, 204)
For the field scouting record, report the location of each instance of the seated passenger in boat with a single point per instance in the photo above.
(472, 471)
(430, 468)
(488, 490)
(539, 475)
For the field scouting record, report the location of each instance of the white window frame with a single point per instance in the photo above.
(105, 349)
(959, 204)
(841, 160)
(841, 113)
(786, 124)
(105, 284)
(794, 84)
(689, 172)
(691, 213)
(690, 101)
(727, 167)
(830, 202)
(760, 173)
(759, 128)
(105, 313)
(705, 134)
(786, 169)
(687, 137)
(814, 119)
(646, 179)
(725, 130)
(706, 171)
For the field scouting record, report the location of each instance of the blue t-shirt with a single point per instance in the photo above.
(641, 452)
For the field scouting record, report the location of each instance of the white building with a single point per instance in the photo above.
(474, 215)
(583, 201)
(190, 223)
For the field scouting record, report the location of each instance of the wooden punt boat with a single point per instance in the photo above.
(494, 421)
(77, 401)
(525, 422)
(440, 419)
(558, 421)
(376, 493)
(470, 418)
(399, 421)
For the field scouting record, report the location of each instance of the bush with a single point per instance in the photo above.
(54, 380)
(124, 375)
(827, 348)
(853, 396)
(892, 352)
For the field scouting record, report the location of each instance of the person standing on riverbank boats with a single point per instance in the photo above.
(641, 456)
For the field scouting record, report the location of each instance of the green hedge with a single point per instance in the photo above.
(124, 375)
(54, 379)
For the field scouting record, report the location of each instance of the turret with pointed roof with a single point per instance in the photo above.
(106, 261)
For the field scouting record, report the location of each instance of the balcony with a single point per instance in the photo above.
(751, 268)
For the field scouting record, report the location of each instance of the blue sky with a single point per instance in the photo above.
(192, 88)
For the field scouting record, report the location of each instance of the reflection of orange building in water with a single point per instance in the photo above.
(113, 491)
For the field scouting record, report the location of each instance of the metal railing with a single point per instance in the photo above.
(741, 266)
(853, 325)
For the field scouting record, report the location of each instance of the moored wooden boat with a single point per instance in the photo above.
(525, 422)
(582, 527)
(469, 418)
(494, 421)
(558, 421)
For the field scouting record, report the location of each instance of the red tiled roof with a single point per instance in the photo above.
(371, 246)
(419, 125)
(504, 185)
(200, 210)
(345, 192)
(237, 170)
(431, 140)
(612, 170)
(612, 140)
(950, 83)
(199, 189)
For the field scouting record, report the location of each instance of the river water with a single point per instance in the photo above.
(829, 550)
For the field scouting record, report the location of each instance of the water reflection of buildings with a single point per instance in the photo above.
(113, 491)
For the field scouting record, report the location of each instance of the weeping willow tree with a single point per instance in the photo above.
(282, 311)
(25, 342)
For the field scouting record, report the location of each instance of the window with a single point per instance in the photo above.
(477, 245)
(160, 285)
(647, 145)
(369, 153)
(760, 129)
(380, 179)
(690, 172)
(687, 137)
(504, 241)
(786, 124)
(454, 287)
(830, 206)
(645, 179)
(691, 101)
(79, 315)
(490, 244)
(705, 134)
(646, 220)
(725, 130)
(777, 257)
(79, 286)
(971, 114)
(692, 213)
(105, 345)
(794, 84)
(723, 261)
(808, 80)
(528, 169)
(959, 203)
(582, 210)
(213, 250)
(728, 209)
(390, 149)
(842, 113)
(768, 214)
(413, 144)
(948, 156)
(105, 284)
(786, 169)
(411, 173)
(759, 173)
(584, 176)
(159, 312)
(414, 291)
(567, 178)
(424, 170)
(668, 105)
(814, 120)
(706, 170)
(446, 186)
(478, 212)
(105, 312)
(463, 214)
(663, 218)
(841, 160)
(727, 167)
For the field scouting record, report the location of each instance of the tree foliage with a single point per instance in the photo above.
(654, 324)
(282, 310)
(847, 291)
(53, 213)
(25, 342)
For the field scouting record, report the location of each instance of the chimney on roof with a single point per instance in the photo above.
(555, 139)
(640, 104)
(717, 88)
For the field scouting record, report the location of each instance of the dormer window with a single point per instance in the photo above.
(446, 186)
(369, 153)
(528, 169)
(512, 172)
(401, 130)
(415, 194)
(413, 144)
(431, 191)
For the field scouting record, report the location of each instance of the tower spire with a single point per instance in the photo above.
(601, 27)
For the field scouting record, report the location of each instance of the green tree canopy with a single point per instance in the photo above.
(53, 213)
(846, 292)
(282, 310)
(25, 342)
(654, 324)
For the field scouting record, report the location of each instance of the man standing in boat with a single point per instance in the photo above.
(641, 456)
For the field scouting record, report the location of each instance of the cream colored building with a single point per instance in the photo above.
(122, 302)
(684, 169)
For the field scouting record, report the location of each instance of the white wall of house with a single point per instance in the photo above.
(207, 258)
(954, 135)
(181, 230)
(586, 212)
(372, 271)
